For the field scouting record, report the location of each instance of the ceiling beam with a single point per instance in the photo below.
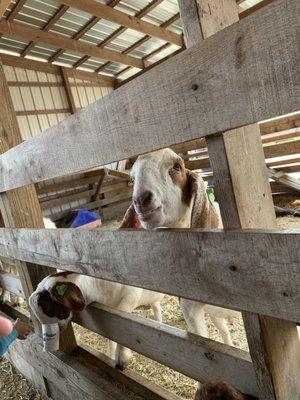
(254, 8)
(122, 82)
(123, 19)
(4, 4)
(89, 25)
(17, 8)
(37, 35)
(122, 29)
(60, 12)
(135, 45)
(26, 63)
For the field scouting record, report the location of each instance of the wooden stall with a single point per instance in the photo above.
(231, 75)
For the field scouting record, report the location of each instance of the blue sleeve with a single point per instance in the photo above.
(5, 341)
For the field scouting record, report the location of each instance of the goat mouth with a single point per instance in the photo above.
(146, 215)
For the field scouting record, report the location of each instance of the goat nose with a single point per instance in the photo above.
(142, 198)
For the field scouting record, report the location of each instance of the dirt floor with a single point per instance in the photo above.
(13, 386)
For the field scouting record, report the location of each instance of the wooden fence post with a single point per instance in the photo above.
(244, 194)
(20, 207)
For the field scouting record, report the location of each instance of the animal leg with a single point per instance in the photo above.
(112, 346)
(123, 354)
(193, 313)
(156, 307)
(221, 324)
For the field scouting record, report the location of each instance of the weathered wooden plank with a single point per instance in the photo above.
(280, 124)
(284, 178)
(245, 201)
(267, 263)
(144, 116)
(73, 379)
(197, 357)
(11, 283)
(135, 382)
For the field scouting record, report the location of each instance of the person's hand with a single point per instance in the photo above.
(23, 329)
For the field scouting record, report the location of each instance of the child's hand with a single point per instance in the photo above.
(23, 329)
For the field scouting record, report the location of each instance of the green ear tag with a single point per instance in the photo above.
(210, 194)
(61, 289)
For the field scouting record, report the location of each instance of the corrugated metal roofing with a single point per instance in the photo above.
(36, 13)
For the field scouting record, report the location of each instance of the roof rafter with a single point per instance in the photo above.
(60, 12)
(37, 35)
(122, 29)
(119, 31)
(17, 8)
(169, 22)
(3, 6)
(89, 25)
(123, 19)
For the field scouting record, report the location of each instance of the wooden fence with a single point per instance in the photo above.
(241, 75)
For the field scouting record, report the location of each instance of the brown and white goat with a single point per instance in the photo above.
(59, 295)
(166, 194)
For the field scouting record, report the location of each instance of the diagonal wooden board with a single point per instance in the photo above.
(241, 77)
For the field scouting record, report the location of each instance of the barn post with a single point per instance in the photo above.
(20, 207)
(68, 89)
(245, 198)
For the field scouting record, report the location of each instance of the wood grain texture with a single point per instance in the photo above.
(197, 357)
(123, 19)
(218, 274)
(160, 108)
(244, 195)
(74, 380)
(133, 381)
(57, 40)
(190, 21)
(245, 201)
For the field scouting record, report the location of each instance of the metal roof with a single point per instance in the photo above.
(36, 13)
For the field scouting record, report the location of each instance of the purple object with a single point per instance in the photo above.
(84, 217)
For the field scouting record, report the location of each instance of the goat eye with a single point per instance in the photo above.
(177, 167)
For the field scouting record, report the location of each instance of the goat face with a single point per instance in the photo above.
(163, 189)
(55, 298)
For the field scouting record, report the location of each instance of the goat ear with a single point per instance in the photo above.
(131, 219)
(196, 193)
(191, 187)
(69, 295)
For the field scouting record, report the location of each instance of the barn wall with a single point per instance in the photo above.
(40, 101)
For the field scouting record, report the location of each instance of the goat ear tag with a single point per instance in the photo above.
(61, 289)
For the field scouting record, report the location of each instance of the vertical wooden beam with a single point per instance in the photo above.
(20, 207)
(243, 190)
(68, 89)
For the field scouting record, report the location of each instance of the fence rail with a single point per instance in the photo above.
(257, 271)
(197, 357)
